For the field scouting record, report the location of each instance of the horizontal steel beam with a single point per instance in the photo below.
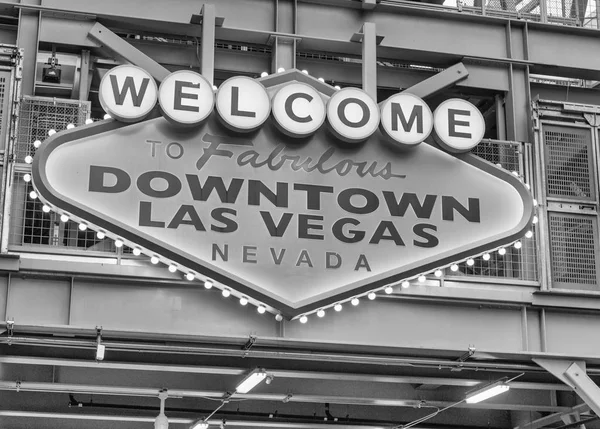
(271, 397)
(553, 418)
(304, 375)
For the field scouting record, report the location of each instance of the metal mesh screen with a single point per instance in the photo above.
(38, 115)
(521, 264)
(30, 226)
(569, 163)
(574, 251)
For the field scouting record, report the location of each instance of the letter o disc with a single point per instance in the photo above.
(243, 104)
(186, 98)
(298, 109)
(352, 115)
(127, 93)
(406, 109)
(459, 125)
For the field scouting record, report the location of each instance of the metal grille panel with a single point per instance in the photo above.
(38, 115)
(574, 250)
(30, 226)
(569, 163)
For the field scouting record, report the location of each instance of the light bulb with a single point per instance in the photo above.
(100, 235)
(64, 218)
(438, 273)
(154, 260)
(190, 276)
(305, 71)
(355, 301)
(389, 290)
(215, 87)
(70, 126)
(486, 256)
(534, 220)
(51, 132)
(226, 293)
(261, 309)
(33, 195)
(515, 173)
(321, 80)
(89, 121)
(422, 279)
(136, 251)
(280, 70)
(27, 177)
(37, 144)
(278, 317)
(118, 243)
(172, 268)
(518, 244)
(535, 203)
(470, 262)
(321, 313)
(303, 319)
(243, 300)
(207, 284)
(502, 251)
(45, 209)
(338, 87)
(82, 226)
(454, 267)
(527, 186)
(107, 116)
(264, 74)
(529, 234)
(338, 307)
(405, 284)
(28, 159)
(371, 296)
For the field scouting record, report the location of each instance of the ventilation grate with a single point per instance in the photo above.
(573, 250)
(569, 163)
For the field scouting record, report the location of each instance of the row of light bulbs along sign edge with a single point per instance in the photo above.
(244, 300)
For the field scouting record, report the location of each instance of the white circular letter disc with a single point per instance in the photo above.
(352, 114)
(298, 109)
(459, 125)
(127, 93)
(186, 98)
(243, 103)
(406, 119)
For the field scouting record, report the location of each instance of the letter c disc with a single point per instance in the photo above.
(298, 110)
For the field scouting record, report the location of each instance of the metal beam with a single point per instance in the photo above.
(584, 386)
(27, 39)
(439, 82)
(125, 51)
(369, 59)
(207, 52)
(42, 387)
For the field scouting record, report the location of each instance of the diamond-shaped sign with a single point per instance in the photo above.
(294, 224)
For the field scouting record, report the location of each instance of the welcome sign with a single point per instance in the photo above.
(283, 190)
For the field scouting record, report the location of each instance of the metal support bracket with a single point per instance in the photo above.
(439, 82)
(573, 374)
(246, 347)
(107, 39)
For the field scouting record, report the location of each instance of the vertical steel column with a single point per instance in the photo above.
(84, 75)
(28, 39)
(369, 59)
(207, 54)
(284, 48)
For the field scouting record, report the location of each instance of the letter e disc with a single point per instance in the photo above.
(127, 93)
(352, 115)
(406, 119)
(243, 104)
(186, 98)
(459, 125)
(298, 110)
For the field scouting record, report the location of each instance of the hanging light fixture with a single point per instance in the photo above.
(251, 381)
(161, 421)
(487, 392)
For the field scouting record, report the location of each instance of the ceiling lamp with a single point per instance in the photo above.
(487, 392)
(161, 421)
(251, 381)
